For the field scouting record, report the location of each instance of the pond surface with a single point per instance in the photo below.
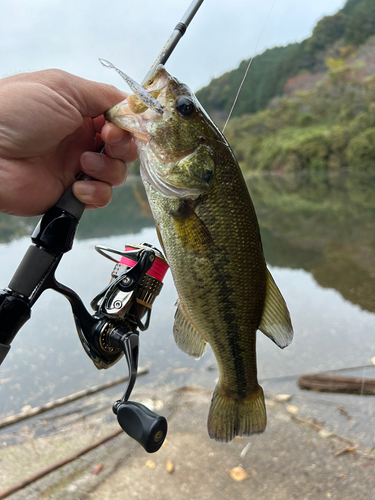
(318, 235)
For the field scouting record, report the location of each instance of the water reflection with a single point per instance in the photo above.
(319, 238)
(323, 223)
(128, 212)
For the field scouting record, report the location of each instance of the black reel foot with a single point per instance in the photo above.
(142, 424)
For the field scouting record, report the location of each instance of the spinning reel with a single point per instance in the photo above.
(120, 310)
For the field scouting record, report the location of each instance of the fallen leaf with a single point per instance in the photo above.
(97, 469)
(152, 404)
(169, 466)
(283, 398)
(292, 409)
(324, 433)
(238, 473)
(150, 464)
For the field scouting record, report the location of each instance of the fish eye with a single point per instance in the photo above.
(185, 106)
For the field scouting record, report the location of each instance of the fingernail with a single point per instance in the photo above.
(92, 162)
(118, 151)
(117, 139)
(83, 188)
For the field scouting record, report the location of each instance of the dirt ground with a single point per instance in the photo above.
(296, 458)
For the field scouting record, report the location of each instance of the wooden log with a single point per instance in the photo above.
(65, 400)
(323, 382)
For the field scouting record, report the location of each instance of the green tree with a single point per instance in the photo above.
(361, 22)
(335, 36)
(361, 150)
(327, 31)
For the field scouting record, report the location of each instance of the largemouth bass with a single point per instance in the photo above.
(209, 232)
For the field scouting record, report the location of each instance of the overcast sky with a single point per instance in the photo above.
(73, 34)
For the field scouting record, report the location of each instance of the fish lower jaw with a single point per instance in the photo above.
(139, 135)
(166, 190)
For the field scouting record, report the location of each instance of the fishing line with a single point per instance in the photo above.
(248, 67)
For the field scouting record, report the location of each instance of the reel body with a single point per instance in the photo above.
(112, 331)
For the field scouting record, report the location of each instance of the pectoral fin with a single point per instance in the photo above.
(276, 323)
(192, 231)
(186, 336)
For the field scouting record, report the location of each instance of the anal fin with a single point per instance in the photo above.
(276, 322)
(186, 336)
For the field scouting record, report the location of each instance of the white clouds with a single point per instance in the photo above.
(73, 34)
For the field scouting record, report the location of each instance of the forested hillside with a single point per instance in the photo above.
(309, 105)
(330, 127)
(270, 71)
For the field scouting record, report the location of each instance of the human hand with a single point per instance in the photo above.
(47, 137)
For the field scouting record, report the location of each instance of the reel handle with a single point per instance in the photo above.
(142, 424)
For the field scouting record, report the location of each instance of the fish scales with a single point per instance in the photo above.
(235, 303)
(209, 231)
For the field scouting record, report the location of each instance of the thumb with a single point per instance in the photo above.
(93, 98)
(88, 97)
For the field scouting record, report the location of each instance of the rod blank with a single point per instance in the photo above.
(175, 37)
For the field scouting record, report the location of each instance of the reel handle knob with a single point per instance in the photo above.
(142, 424)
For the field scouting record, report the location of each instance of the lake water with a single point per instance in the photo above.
(318, 234)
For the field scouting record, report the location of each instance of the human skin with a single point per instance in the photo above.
(47, 136)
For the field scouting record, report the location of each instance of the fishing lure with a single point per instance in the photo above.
(147, 99)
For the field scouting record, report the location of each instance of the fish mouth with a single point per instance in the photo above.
(130, 115)
(124, 117)
(133, 114)
(141, 121)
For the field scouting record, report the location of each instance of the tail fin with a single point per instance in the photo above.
(229, 417)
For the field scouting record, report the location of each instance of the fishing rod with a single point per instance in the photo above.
(121, 309)
(175, 37)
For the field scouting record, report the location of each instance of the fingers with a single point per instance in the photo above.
(119, 143)
(92, 193)
(104, 168)
(88, 97)
(108, 172)
(112, 134)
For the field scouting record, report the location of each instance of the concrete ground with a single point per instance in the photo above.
(296, 458)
